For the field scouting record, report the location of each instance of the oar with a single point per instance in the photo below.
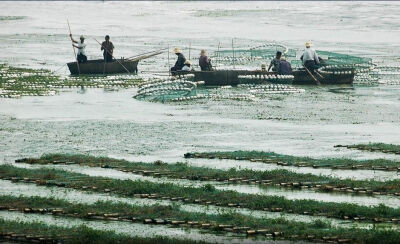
(76, 58)
(113, 56)
(315, 79)
(141, 54)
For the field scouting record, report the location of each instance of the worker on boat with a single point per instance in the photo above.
(108, 48)
(263, 67)
(284, 67)
(180, 62)
(310, 58)
(204, 61)
(81, 46)
(275, 62)
(187, 66)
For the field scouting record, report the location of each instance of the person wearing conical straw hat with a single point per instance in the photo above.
(81, 46)
(187, 66)
(310, 58)
(204, 61)
(180, 62)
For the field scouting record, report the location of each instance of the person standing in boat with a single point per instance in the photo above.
(108, 48)
(275, 62)
(81, 46)
(204, 61)
(180, 62)
(310, 58)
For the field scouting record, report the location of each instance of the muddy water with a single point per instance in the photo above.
(390, 201)
(131, 229)
(28, 190)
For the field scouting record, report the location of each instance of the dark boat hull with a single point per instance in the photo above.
(231, 77)
(99, 67)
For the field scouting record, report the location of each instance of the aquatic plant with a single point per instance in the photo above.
(168, 191)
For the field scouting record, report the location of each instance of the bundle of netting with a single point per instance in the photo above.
(259, 90)
(265, 78)
(243, 56)
(166, 90)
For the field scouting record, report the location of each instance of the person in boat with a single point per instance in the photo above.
(180, 62)
(204, 61)
(310, 58)
(275, 62)
(284, 67)
(263, 67)
(187, 66)
(81, 46)
(108, 48)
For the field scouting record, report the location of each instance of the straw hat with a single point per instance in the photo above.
(81, 37)
(203, 51)
(283, 58)
(188, 62)
(177, 50)
(263, 66)
(308, 44)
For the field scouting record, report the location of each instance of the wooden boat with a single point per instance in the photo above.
(98, 66)
(231, 77)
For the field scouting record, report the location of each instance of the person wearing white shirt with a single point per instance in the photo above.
(310, 57)
(81, 46)
(187, 65)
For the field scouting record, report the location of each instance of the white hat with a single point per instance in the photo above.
(81, 37)
(188, 62)
(308, 44)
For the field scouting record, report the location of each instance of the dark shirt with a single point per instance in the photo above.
(204, 63)
(107, 46)
(285, 68)
(275, 64)
(180, 62)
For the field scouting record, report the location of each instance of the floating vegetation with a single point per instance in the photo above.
(173, 216)
(17, 82)
(286, 160)
(204, 195)
(39, 232)
(281, 178)
(5, 18)
(375, 147)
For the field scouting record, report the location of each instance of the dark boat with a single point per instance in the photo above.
(300, 76)
(98, 66)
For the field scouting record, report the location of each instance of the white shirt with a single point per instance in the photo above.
(81, 49)
(186, 68)
(310, 54)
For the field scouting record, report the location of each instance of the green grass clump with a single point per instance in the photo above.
(81, 234)
(288, 228)
(294, 160)
(250, 201)
(180, 170)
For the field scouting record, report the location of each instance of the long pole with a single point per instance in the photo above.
(233, 52)
(76, 58)
(190, 47)
(113, 56)
(216, 63)
(141, 54)
(315, 79)
(169, 67)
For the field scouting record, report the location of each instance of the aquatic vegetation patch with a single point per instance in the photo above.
(227, 13)
(205, 195)
(282, 178)
(5, 18)
(375, 147)
(287, 160)
(39, 232)
(17, 82)
(172, 215)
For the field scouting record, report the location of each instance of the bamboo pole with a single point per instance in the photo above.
(216, 63)
(76, 58)
(233, 52)
(113, 56)
(141, 54)
(169, 67)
